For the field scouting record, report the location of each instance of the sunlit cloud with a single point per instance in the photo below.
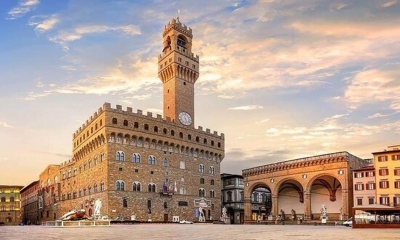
(374, 85)
(65, 36)
(246, 108)
(378, 115)
(43, 23)
(22, 8)
(263, 121)
(389, 3)
(4, 124)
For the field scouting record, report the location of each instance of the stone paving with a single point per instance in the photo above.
(198, 231)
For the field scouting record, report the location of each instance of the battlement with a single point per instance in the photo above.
(175, 24)
(141, 114)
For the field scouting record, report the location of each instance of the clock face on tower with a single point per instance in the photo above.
(185, 118)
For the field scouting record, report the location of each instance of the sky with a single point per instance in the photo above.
(282, 79)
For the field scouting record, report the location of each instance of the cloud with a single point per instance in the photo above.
(378, 115)
(245, 108)
(65, 36)
(389, 3)
(139, 78)
(4, 124)
(43, 23)
(374, 85)
(22, 8)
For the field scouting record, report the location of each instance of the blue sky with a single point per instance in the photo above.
(284, 79)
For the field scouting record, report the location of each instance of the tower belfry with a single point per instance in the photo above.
(178, 69)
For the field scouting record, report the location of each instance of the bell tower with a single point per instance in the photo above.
(178, 69)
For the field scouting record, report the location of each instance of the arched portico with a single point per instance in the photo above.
(290, 198)
(300, 187)
(258, 202)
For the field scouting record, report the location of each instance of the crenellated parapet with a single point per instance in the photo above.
(143, 115)
(178, 26)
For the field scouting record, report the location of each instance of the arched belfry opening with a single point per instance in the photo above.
(182, 41)
(325, 191)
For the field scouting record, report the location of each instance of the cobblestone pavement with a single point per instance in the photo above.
(197, 231)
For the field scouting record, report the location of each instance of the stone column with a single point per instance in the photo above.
(345, 204)
(275, 207)
(307, 206)
(247, 209)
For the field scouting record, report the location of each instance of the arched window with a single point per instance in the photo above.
(201, 180)
(152, 187)
(197, 139)
(11, 199)
(201, 168)
(181, 42)
(205, 141)
(212, 182)
(181, 135)
(124, 203)
(155, 129)
(212, 170)
(120, 156)
(189, 137)
(3, 199)
(151, 160)
(146, 127)
(202, 192)
(120, 185)
(212, 193)
(114, 121)
(229, 195)
(136, 187)
(136, 125)
(136, 158)
(165, 131)
(212, 142)
(172, 133)
(101, 186)
(165, 162)
(125, 122)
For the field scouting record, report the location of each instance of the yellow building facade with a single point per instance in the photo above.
(10, 204)
(387, 173)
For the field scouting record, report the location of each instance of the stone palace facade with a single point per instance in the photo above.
(141, 166)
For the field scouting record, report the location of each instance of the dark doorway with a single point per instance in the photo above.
(165, 217)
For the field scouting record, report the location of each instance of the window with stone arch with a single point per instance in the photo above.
(165, 162)
(212, 170)
(201, 168)
(151, 160)
(152, 187)
(202, 192)
(212, 182)
(212, 193)
(146, 126)
(11, 199)
(126, 123)
(124, 203)
(136, 158)
(120, 185)
(101, 186)
(136, 187)
(201, 180)
(114, 121)
(120, 156)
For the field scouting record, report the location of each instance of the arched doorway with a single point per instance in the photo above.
(261, 202)
(290, 200)
(326, 192)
